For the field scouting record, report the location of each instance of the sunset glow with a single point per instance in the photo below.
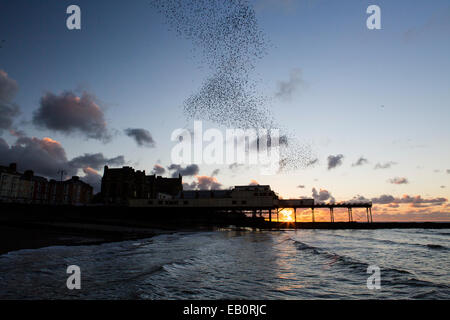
(287, 215)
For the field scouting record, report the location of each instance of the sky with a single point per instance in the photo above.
(371, 107)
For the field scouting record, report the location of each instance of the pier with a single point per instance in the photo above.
(296, 204)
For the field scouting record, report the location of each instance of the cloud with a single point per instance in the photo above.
(158, 169)
(142, 137)
(47, 156)
(68, 113)
(322, 196)
(8, 110)
(287, 88)
(448, 171)
(95, 161)
(385, 165)
(93, 178)
(43, 156)
(190, 170)
(361, 161)
(383, 199)
(398, 181)
(334, 161)
(203, 183)
(359, 199)
(215, 172)
(406, 199)
(8, 87)
(443, 187)
(301, 186)
(208, 183)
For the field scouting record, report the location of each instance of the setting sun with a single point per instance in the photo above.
(286, 215)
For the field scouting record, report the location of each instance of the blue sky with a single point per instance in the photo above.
(381, 94)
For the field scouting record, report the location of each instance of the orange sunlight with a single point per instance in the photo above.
(287, 215)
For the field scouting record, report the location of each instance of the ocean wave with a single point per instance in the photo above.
(393, 242)
(350, 262)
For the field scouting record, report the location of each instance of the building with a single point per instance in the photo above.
(28, 188)
(69, 192)
(122, 184)
(240, 197)
(9, 182)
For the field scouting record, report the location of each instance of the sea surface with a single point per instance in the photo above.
(239, 264)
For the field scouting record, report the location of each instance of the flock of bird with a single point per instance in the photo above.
(230, 41)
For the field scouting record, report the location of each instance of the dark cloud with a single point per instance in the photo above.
(190, 170)
(95, 161)
(385, 165)
(287, 88)
(68, 113)
(448, 171)
(443, 187)
(398, 180)
(419, 199)
(8, 110)
(361, 161)
(301, 186)
(142, 137)
(388, 199)
(334, 161)
(47, 156)
(158, 169)
(322, 196)
(43, 156)
(215, 173)
(359, 199)
(383, 199)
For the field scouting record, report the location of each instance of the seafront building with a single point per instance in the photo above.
(28, 188)
(119, 185)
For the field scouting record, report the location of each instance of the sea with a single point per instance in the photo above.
(240, 264)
